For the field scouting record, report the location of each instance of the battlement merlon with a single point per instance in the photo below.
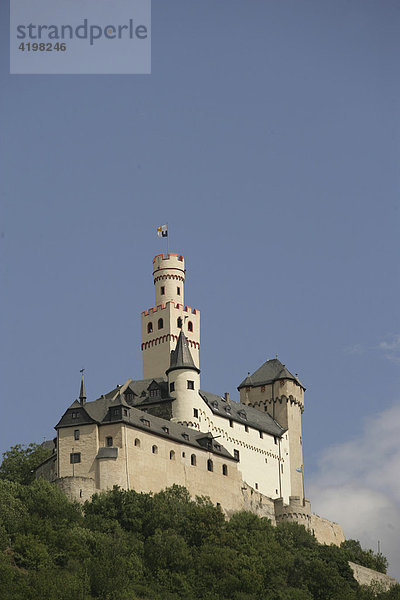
(168, 262)
(186, 309)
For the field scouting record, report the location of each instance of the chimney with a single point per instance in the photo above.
(226, 396)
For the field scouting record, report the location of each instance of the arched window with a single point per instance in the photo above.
(160, 323)
(137, 443)
(224, 470)
(190, 326)
(154, 450)
(179, 322)
(193, 460)
(172, 455)
(210, 466)
(149, 327)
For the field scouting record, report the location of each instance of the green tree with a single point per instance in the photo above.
(20, 462)
(366, 558)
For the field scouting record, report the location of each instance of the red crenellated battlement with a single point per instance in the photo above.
(165, 338)
(166, 256)
(154, 309)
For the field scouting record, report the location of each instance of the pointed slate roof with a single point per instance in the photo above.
(270, 371)
(181, 357)
(82, 393)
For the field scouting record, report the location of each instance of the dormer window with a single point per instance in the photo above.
(165, 429)
(145, 422)
(129, 396)
(156, 393)
(228, 409)
(74, 415)
(150, 327)
(185, 436)
(242, 415)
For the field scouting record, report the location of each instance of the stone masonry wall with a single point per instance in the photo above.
(365, 576)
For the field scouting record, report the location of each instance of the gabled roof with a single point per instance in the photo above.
(99, 412)
(240, 413)
(181, 357)
(270, 371)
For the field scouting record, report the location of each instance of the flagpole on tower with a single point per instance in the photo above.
(167, 241)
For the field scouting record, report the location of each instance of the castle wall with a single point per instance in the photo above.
(86, 446)
(144, 462)
(326, 532)
(365, 576)
(171, 463)
(264, 461)
(48, 469)
(284, 401)
(77, 488)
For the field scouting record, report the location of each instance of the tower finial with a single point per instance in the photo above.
(82, 393)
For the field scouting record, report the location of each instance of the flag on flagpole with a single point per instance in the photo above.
(162, 231)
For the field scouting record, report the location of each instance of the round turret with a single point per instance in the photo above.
(169, 278)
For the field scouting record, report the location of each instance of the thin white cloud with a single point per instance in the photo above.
(358, 486)
(389, 348)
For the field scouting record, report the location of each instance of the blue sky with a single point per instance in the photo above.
(267, 136)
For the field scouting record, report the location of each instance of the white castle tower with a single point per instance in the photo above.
(162, 324)
(273, 389)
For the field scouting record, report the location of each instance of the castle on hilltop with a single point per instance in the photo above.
(164, 429)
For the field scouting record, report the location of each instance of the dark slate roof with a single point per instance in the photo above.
(240, 413)
(82, 392)
(181, 357)
(141, 391)
(100, 411)
(107, 453)
(270, 371)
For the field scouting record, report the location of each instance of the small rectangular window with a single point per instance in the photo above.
(172, 387)
(109, 441)
(275, 439)
(246, 429)
(196, 413)
(75, 457)
(125, 412)
(236, 454)
(74, 415)
(256, 486)
(190, 385)
(76, 434)
(145, 422)
(231, 422)
(178, 291)
(261, 435)
(162, 290)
